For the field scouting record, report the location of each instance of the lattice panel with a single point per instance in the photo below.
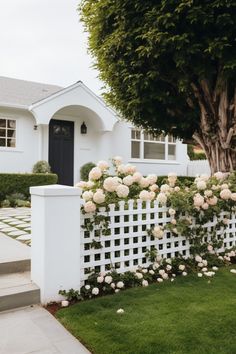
(127, 243)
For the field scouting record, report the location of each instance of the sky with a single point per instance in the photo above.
(44, 41)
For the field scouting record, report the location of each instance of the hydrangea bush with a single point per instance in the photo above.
(189, 209)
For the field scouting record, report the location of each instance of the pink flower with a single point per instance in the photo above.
(89, 207)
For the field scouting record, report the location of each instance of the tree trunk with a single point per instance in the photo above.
(217, 130)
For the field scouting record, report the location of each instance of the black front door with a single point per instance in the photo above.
(61, 150)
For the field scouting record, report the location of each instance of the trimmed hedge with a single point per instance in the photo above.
(21, 182)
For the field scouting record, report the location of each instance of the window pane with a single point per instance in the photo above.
(11, 142)
(135, 134)
(2, 132)
(11, 133)
(2, 142)
(171, 152)
(11, 124)
(3, 123)
(171, 139)
(151, 137)
(154, 151)
(135, 149)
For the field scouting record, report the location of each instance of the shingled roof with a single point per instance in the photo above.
(24, 93)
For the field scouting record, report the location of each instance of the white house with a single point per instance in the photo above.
(71, 126)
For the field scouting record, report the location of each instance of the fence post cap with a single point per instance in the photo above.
(55, 190)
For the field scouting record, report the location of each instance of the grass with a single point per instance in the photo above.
(189, 316)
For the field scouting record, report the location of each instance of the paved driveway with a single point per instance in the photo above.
(15, 222)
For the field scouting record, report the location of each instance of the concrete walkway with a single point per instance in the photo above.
(33, 330)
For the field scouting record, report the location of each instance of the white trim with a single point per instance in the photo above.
(152, 161)
(13, 105)
(9, 149)
(68, 89)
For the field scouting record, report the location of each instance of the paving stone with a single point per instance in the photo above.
(16, 233)
(25, 237)
(9, 229)
(22, 226)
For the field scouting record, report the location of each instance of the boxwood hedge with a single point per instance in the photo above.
(21, 182)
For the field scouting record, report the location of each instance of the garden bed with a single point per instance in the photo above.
(189, 315)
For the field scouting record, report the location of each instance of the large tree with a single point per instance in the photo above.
(170, 65)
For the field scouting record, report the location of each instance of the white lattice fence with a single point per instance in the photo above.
(126, 244)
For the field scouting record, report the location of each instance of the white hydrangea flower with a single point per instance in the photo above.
(233, 196)
(113, 285)
(165, 276)
(164, 188)
(225, 194)
(199, 275)
(159, 280)
(95, 291)
(198, 258)
(100, 279)
(139, 275)
(99, 197)
(219, 175)
(120, 285)
(144, 195)
(162, 198)
(128, 180)
(130, 169)
(122, 191)
(205, 206)
(144, 283)
(89, 207)
(90, 184)
(151, 272)
(87, 287)
(224, 186)
(172, 211)
(120, 311)
(215, 268)
(110, 184)
(87, 195)
(103, 165)
(144, 182)
(173, 221)
(81, 184)
(154, 188)
(201, 185)
(233, 271)
(198, 200)
(168, 267)
(117, 160)
(172, 177)
(208, 193)
(177, 189)
(204, 269)
(108, 279)
(161, 271)
(137, 176)
(158, 232)
(184, 274)
(212, 201)
(95, 173)
(152, 179)
(181, 267)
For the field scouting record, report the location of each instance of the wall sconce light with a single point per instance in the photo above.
(35, 127)
(83, 128)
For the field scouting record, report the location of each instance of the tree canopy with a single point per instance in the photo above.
(168, 65)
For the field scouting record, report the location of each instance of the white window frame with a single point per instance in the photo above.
(142, 141)
(10, 148)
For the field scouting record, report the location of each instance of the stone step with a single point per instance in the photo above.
(22, 265)
(17, 290)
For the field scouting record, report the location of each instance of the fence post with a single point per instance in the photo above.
(55, 248)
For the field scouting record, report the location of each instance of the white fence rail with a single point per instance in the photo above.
(63, 252)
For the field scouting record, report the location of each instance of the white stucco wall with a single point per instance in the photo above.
(25, 154)
(121, 145)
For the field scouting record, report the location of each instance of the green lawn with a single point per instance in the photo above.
(188, 316)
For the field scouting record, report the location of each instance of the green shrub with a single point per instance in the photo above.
(85, 169)
(182, 180)
(41, 167)
(194, 155)
(21, 182)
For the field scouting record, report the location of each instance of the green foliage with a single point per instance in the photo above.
(195, 156)
(41, 167)
(151, 54)
(181, 181)
(21, 182)
(85, 169)
(71, 295)
(15, 200)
